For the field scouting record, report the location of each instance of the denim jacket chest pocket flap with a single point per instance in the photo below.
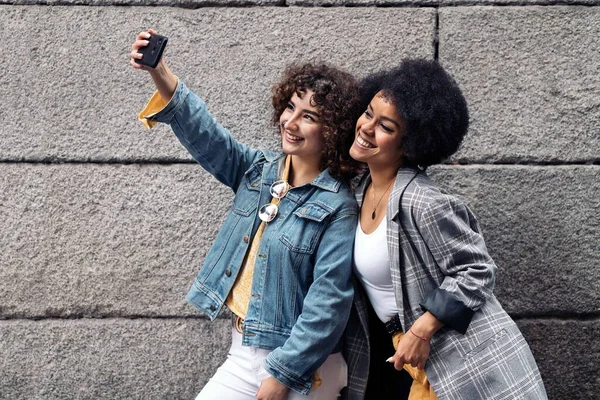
(248, 193)
(307, 225)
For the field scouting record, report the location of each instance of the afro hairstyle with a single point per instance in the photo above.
(431, 105)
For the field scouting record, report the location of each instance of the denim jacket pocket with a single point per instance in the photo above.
(248, 194)
(309, 221)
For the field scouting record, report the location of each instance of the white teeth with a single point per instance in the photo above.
(292, 137)
(364, 143)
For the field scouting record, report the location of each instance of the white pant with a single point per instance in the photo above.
(240, 375)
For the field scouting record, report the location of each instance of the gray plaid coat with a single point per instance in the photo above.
(439, 262)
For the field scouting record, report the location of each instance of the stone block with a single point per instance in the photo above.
(90, 240)
(530, 79)
(437, 3)
(567, 354)
(110, 358)
(72, 95)
(189, 4)
(127, 240)
(541, 226)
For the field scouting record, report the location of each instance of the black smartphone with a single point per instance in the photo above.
(152, 52)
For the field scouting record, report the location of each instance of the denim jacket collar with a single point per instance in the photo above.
(324, 180)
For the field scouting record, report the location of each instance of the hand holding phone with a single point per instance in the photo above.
(153, 51)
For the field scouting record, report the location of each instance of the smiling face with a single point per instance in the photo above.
(301, 128)
(378, 137)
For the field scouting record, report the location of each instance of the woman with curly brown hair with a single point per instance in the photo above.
(281, 261)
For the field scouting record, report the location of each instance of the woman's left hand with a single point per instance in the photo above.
(411, 350)
(272, 389)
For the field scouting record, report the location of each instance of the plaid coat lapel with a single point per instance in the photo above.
(404, 177)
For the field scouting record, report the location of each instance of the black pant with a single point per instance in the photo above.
(385, 382)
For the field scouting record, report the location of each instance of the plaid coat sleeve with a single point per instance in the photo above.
(439, 263)
(452, 234)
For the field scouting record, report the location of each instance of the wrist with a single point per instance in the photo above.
(161, 74)
(426, 325)
(160, 69)
(422, 338)
(164, 80)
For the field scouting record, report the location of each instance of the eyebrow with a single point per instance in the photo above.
(307, 110)
(393, 121)
(312, 113)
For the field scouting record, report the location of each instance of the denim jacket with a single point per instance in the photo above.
(301, 289)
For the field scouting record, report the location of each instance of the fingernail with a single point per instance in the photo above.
(389, 359)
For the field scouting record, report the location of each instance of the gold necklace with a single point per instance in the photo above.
(373, 215)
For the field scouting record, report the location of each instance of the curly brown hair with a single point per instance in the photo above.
(336, 94)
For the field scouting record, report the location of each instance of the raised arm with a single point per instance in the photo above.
(211, 145)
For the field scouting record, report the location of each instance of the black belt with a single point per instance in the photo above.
(393, 325)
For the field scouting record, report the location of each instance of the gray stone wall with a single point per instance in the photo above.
(103, 224)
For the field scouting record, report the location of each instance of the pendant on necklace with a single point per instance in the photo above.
(373, 215)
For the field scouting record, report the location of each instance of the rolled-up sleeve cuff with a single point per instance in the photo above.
(286, 377)
(448, 309)
(160, 110)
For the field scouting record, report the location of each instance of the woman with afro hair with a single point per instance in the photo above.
(419, 254)
(282, 261)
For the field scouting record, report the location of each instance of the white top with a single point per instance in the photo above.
(372, 267)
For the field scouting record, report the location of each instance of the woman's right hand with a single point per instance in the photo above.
(141, 41)
(272, 389)
(163, 78)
